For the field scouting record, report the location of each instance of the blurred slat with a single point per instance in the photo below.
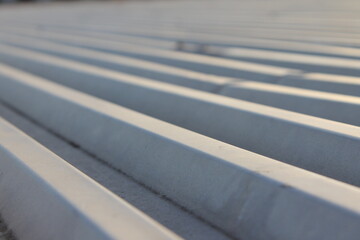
(158, 91)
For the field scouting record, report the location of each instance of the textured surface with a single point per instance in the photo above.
(36, 181)
(162, 210)
(280, 79)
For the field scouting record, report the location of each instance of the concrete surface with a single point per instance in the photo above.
(184, 163)
(5, 232)
(315, 103)
(190, 61)
(149, 56)
(324, 82)
(43, 197)
(316, 81)
(276, 133)
(152, 204)
(147, 69)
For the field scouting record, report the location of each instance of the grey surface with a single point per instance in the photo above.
(315, 103)
(154, 205)
(264, 199)
(5, 232)
(324, 82)
(267, 131)
(43, 197)
(185, 163)
(304, 62)
(147, 69)
(190, 61)
(317, 81)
